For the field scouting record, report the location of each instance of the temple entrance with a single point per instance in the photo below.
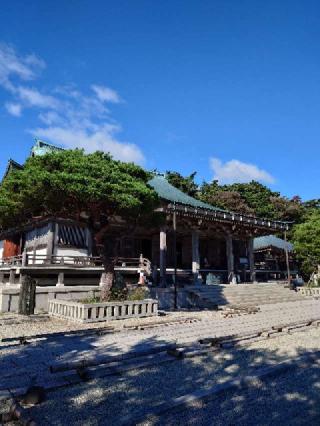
(179, 255)
(146, 248)
(213, 254)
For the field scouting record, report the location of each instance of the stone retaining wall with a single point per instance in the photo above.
(94, 312)
(9, 296)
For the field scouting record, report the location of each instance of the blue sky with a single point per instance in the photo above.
(228, 88)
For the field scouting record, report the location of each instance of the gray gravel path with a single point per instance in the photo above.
(30, 364)
(105, 401)
(289, 399)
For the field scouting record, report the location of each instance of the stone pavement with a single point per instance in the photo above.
(23, 365)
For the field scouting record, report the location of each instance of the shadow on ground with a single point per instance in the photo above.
(290, 398)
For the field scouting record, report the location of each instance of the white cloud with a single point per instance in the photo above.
(68, 117)
(13, 109)
(34, 98)
(50, 117)
(105, 94)
(103, 139)
(13, 66)
(236, 171)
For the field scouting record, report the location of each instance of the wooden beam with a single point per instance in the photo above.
(195, 255)
(251, 260)
(163, 256)
(230, 258)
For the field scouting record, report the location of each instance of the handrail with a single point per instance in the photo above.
(139, 263)
(11, 261)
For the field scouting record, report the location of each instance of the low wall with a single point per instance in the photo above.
(9, 296)
(309, 291)
(94, 312)
(165, 297)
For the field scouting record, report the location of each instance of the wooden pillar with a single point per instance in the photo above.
(89, 241)
(251, 260)
(287, 258)
(24, 258)
(56, 239)
(60, 282)
(12, 277)
(230, 258)
(163, 256)
(50, 242)
(195, 255)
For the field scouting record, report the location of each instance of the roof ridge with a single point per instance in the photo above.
(48, 144)
(11, 163)
(171, 193)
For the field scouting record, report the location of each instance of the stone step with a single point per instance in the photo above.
(272, 294)
(251, 294)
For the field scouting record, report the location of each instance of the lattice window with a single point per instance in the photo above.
(74, 236)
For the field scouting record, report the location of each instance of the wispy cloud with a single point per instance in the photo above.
(103, 139)
(66, 115)
(13, 109)
(236, 171)
(14, 66)
(33, 98)
(105, 94)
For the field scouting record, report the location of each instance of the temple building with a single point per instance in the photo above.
(270, 258)
(197, 243)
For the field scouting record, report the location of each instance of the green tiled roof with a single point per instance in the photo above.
(42, 148)
(170, 193)
(11, 166)
(260, 243)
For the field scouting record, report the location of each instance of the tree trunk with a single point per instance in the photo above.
(109, 259)
(107, 278)
(108, 249)
(27, 296)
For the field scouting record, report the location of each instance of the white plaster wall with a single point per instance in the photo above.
(70, 251)
(42, 252)
(1, 249)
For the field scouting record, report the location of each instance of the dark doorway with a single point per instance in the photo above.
(179, 254)
(146, 248)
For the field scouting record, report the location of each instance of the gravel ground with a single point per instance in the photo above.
(104, 401)
(289, 399)
(4, 408)
(23, 365)
(14, 325)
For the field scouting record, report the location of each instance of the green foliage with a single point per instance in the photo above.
(92, 299)
(139, 293)
(68, 183)
(222, 197)
(185, 184)
(306, 240)
(120, 294)
(117, 295)
(119, 289)
(252, 198)
(312, 204)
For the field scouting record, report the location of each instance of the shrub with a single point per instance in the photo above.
(138, 293)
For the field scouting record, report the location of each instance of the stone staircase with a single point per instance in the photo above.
(212, 296)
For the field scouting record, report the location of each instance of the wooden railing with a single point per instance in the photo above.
(11, 261)
(121, 263)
